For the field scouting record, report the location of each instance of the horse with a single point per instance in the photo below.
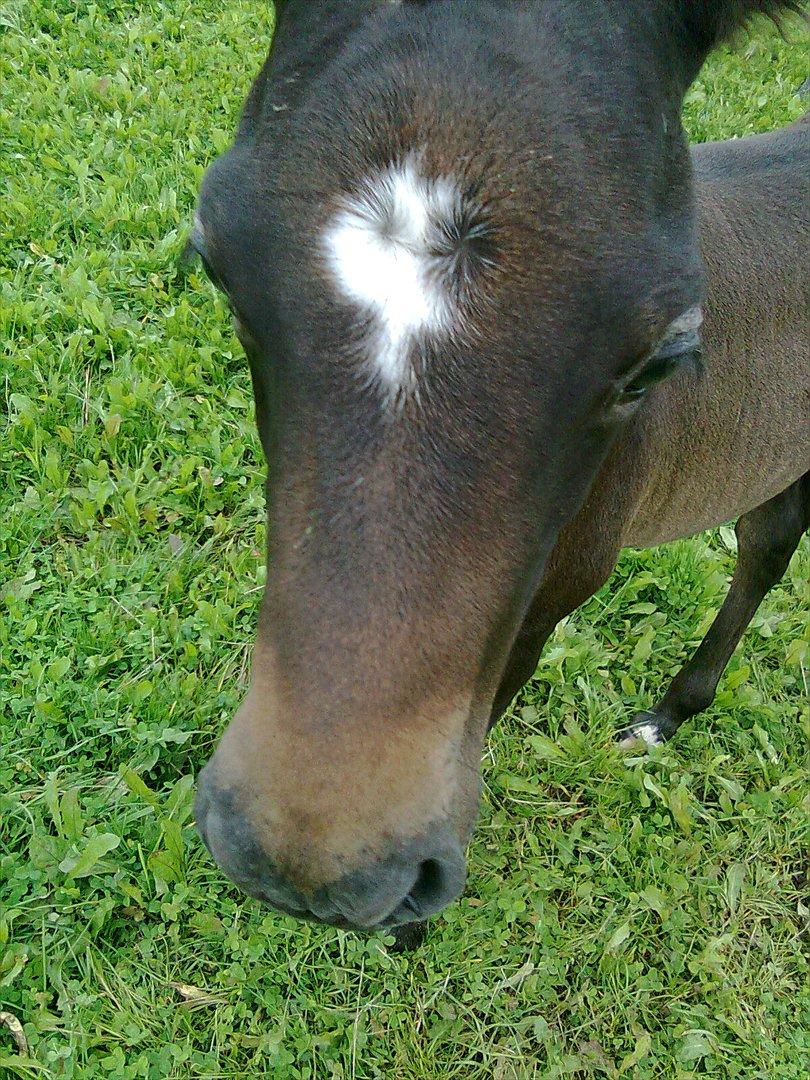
(501, 323)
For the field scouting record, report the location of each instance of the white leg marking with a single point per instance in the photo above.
(642, 732)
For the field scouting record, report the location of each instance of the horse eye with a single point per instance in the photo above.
(658, 368)
(681, 342)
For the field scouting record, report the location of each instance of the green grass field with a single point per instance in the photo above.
(637, 917)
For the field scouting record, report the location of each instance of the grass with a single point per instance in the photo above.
(625, 917)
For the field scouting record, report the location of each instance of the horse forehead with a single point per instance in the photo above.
(392, 250)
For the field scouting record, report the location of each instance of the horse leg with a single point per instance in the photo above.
(766, 539)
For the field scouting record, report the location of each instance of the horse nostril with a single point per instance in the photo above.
(404, 887)
(429, 886)
(438, 881)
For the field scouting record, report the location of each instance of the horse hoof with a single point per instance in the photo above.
(408, 937)
(646, 730)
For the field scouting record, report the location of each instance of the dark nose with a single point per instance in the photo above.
(410, 883)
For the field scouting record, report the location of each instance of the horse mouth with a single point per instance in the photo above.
(407, 911)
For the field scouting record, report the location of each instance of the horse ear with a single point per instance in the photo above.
(701, 25)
